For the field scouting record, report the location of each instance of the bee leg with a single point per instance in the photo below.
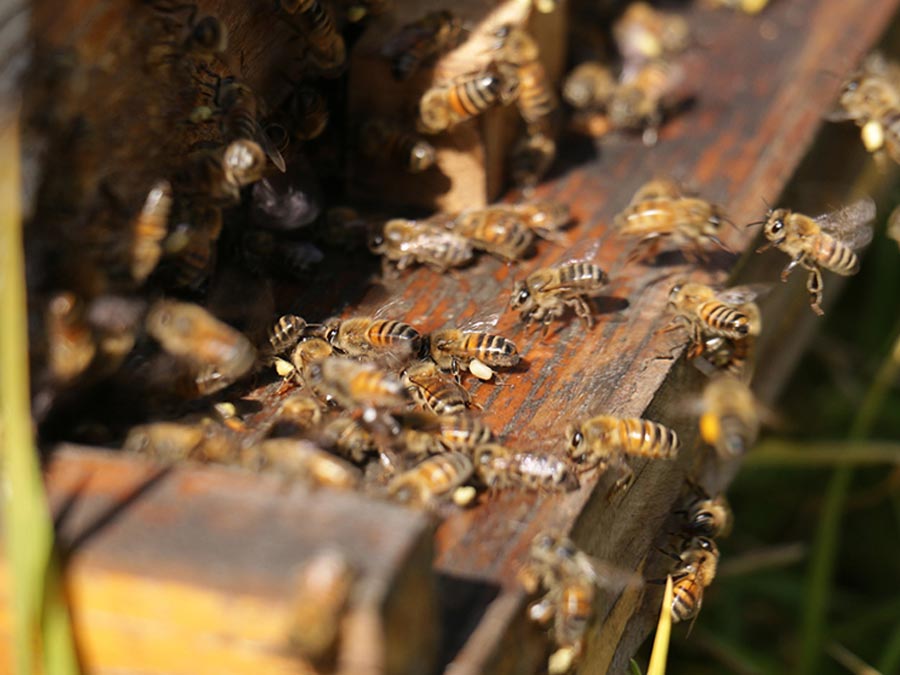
(790, 267)
(814, 286)
(648, 247)
(583, 311)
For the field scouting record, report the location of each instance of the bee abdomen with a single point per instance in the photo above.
(724, 320)
(461, 432)
(835, 256)
(686, 600)
(286, 333)
(385, 332)
(536, 100)
(648, 439)
(582, 274)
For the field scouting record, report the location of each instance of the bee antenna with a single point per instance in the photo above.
(718, 242)
(755, 223)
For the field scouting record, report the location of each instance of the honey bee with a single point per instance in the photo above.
(313, 19)
(730, 313)
(445, 105)
(286, 332)
(826, 242)
(191, 334)
(544, 294)
(643, 97)
(543, 217)
(707, 516)
(352, 384)
(688, 223)
(431, 479)
(71, 346)
(698, 562)
(348, 438)
(381, 140)
(322, 592)
(604, 442)
(298, 413)
(727, 356)
(473, 351)
(536, 98)
(531, 158)
(307, 352)
(500, 468)
(303, 460)
(307, 113)
(643, 33)
(175, 441)
(411, 241)
(731, 418)
(590, 85)
(434, 390)
(205, 37)
(150, 228)
(366, 336)
(418, 42)
(191, 247)
(217, 176)
(427, 434)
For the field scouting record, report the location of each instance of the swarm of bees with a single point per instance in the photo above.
(373, 403)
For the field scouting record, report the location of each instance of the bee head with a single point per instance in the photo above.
(521, 295)
(576, 447)
(775, 225)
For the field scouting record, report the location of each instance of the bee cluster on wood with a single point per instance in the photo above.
(153, 270)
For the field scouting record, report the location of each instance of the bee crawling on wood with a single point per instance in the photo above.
(434, 390)
(431, 479)
(500, 468)
(302, 460)
(445, 105)
(829, 241)
(474, 351)
(544, 295)
(644, 33)
(406, 242)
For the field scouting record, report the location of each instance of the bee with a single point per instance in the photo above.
(307, 352)
(420, 41)
(730, 313)
(150, 228)
(728, 356)
(544, 217)
(698, 562)
(829, 242)
(191, 334)
(286, 332)
(707, 516)
(500, 468)
(730, 420)
(536, 98)
(190, 249)
(352, 384)
(431, 479)
(205, 37)
(473, 351)
(445, 105)
(544, 294)
(381, 140)
(434, 390)
(591, 85)
(427, 434)
(326, 44)
(323, 590)
(531, 157)
(411, 241)
(604, 442)
(301, 459)
(297, 413)
(71, 345)
(366, 336)
(643, 97)
(348, 438)
(216, 176)
(307, 112)
(689, 223)
(643, 33)
(205, 441)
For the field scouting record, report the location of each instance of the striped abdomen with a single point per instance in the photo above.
(834, 255)
(463, 432)
(721, 319)
(537, 100)
(472, 97)
(439, 393)
(376, 387)
(445, 249)
(688, 596)
(653, 216)
(644, 438)
(582, 277)
(496, 232)
(433, 477)
(576, 606)
(494, 350)
(387, 333)
(286, 332)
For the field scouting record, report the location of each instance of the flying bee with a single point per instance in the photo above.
(428, 434)
(644, 96)
(730, 419)
(536, 99)
(545, 294)
(531, 158)
(543, 217)
(313, 19)
(352, 384)
(690, 224)
(205, 441)
(348, 438)
(150, 228)
(420, 41)
(411, 241)
(643, 33)
(302, 460)
(707, 516)
(829, 242)
(731, 313)
(366, 336)
(604, 442)
(445, 105)
(381, 140)
(286, 332)
(434, 390)
(727, 356)
(191, 334)
(591, 85)
(473, 351)
(500, 468)
(696, 570)
(431, 479)
(323, 590)
(71, 345)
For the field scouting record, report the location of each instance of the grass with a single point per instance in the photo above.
(42, 635)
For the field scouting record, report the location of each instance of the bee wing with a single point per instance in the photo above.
(268, 146)
(608, 576)
(739, 295)
(851, 224)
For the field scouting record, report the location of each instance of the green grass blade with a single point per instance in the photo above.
(42, 634)
(663, 633)
(889, 663)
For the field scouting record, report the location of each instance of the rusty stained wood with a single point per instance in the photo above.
(195, 570)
